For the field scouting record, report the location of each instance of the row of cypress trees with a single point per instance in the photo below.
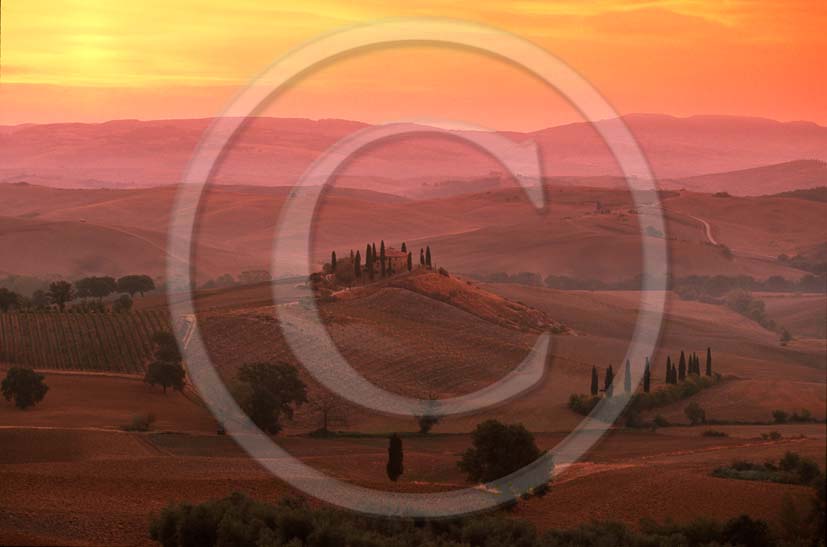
(673, 374)
(371, 256)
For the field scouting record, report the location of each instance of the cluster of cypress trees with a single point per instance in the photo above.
(385, 267)
(674, 374)
(692, 365)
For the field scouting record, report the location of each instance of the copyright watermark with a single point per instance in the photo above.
(323, 360)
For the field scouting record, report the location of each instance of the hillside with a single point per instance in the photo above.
(273, 151)
(793, 176)
(70, 233)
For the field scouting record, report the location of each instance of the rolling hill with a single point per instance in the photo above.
(275, 152)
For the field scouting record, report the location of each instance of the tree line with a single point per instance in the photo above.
(686, 366)
(91, 290)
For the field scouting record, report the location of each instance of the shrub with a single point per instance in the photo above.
(660, 421)
(123, 304)
(140, 422)
(583, 404)
(714, 433)
(443, 271)
(771, 436)
(779, 416)
(25, 386)
(695, 413)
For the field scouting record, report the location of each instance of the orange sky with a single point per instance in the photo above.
(86, 60)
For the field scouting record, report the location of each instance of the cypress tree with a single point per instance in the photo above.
(428, 256)
(668, 378)
(357, 265)
(608, 380)
(410, 261)
(594, 381)
(674, 374)
(682, 367)
(647, 377)
(421, 257)
(404, 247)
(333, 262)
(697, 365)
(708, 361)
(382, 258)
(627, 378)
(369, 262)
(395, 458)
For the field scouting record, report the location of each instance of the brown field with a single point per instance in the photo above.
(71, 475)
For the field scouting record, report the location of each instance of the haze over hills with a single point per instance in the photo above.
(276, 152)
(757, 181)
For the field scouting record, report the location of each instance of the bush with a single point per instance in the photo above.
(714, 433)
(779, 416)
(140, 422)
(25, 386)
(790, 469)
(660, 421)
(695, 413)
(771, 436)
(123, 304)
(583, 404)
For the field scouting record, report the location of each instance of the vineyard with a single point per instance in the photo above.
(106, 342)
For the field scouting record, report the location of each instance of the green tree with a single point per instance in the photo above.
(647, 377)
(421, 257)
(709, 361)
(404, 247)
(369, 261)
(627, 378)
(333, 261)
(8, 299)
(165, 374)
(395, 465)
(410, 262)
(668, 378)
(428, 256)
(608, 381)
(382, 271)
(268, 391)
(60, 293)
(695, 413)
(25, 386)
(594, 386)
(682, 367)
(498, 450)
(132, 284)
(96, 287)
(123, 304)
(357, 265)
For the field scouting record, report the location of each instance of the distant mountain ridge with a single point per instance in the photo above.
(277, 151)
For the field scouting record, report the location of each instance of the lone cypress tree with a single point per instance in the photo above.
(647, 377)
(369, 261)
(627, 378)
(682, 367)
(395, 457)
(410, 261)
(594, 381)
(608, 381)
(708, 361)
(357, 265)
(428, 256)
(668, 377)
(333, 262)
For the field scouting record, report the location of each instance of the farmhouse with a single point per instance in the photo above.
(397, 260)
